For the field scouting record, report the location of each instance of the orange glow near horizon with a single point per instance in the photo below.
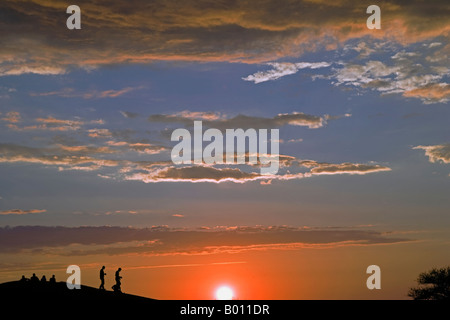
(326, 273)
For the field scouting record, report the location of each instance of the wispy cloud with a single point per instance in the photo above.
(92, 94)
(413, 74)
(99, 133)
(141, 147)
(48, 124)
(93, 157)
(417, 74)
(294, 140)
(281, 69)
(244, 121)
(12, 117)
(347, 168)
(21, 212)
(198, 115)
(110, 154)
(168, 241)
(129, 115)
(196, 174)
(11, 153)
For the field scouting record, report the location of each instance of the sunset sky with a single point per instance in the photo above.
(86, 118)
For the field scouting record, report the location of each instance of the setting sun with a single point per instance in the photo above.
(224, 293)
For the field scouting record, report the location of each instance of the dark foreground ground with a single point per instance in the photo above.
(26, 300)
(54, 292)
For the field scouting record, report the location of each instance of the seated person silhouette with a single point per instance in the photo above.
(34, 279)
(52, 279)
(102, 278)
(43, 279)
(117, 287)
(23, 279)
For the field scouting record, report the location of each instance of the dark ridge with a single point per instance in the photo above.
(58, 292)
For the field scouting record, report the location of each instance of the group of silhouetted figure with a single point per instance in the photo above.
(35, 279)
(117, 286)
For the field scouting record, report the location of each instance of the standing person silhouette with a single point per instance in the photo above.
(117, 287)
(102, 278)
(34, 279)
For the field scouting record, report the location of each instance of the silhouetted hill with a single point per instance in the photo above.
(58, 292)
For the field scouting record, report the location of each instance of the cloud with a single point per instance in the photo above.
(294, 140)
(92, 94)
(140, 147)
(198, 115)
(202, 173)
(413, 74)
(21, 212)
(99, 133)
(129, 115)
(430, 93)
(363, 48)
(101, 155)
(86, 149)
(72, 241)
(32, 67)
(52, 120)
(11, 153)
(44, 126)
(50, 124)
(12, 117)
(195, 174)
(434, 44)
(118, 33)
(244, 121)
(281, 69)
(347, 168)
(437, 153)
(147, 148)
(54, 124)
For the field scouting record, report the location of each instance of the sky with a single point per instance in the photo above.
(86, 118)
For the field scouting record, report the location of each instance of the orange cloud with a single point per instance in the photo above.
(10, 153)
(197, 115)
(99, 133)
(139, 31)
(431, 93)
(20, 212)
(244, 121)
(347, 168)
(162, 240)
(86, 149)
(12, 117)
(59, 121)
(140, 147)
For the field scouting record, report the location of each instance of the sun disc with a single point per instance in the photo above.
(224, 293)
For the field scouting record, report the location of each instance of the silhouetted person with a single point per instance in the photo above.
(102, 278)
(43, 279)
(117, 287)
(23, 279)
(52, 279)
(34, 279)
